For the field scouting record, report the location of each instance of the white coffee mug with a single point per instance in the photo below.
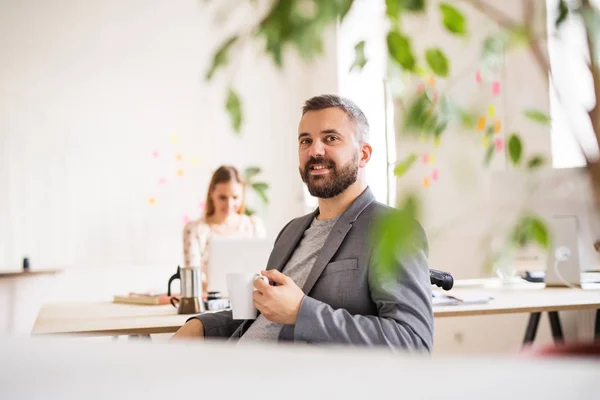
(240, 288)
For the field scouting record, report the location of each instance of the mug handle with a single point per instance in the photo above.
(174, 300)
(264, 278)
(171, 279)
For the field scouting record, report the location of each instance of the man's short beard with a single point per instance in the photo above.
(332, 184)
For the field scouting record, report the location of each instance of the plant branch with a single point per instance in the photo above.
(502, 19)
(542, 62)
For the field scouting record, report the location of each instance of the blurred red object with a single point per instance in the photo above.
(579, 349)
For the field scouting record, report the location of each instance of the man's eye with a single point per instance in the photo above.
(331, 138)
(304, 141)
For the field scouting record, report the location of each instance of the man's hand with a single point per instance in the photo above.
(190, 330)
(278, 303)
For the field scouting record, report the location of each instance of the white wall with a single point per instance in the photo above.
(89, 90)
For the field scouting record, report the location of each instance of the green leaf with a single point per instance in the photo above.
(437, 61)
(515, 148)
(393, 8)
(453, 20)
(251, 172)
(489, 154)
(400, 50)
(423, 118)
(395, 236)
(535, 162)
(410, 205)
(359, 56)
(537, 116)
(539, 232)
(234, 108)
(405, 165)
(530, 228)
(563, 13)
(334, 8)
(261, 190)
(414, 5)
(221, 57)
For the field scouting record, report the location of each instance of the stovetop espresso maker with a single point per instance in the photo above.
(190, 300)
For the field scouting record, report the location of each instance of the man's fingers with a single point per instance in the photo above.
(276, 276)
(261, 285)
(257, 297)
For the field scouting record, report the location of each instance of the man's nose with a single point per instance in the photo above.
(317, 150)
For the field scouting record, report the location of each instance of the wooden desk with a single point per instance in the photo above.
(102, 319)
(523, 299)
(27, 273)
(107, 319)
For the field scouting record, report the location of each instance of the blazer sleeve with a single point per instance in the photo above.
(218, 325)
(404, 318)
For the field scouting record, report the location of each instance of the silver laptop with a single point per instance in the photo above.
(227, 255)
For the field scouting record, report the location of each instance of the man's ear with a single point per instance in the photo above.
(365, 154)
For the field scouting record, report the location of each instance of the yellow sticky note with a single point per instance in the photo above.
(491, 111)
(481, 124)
(196, 161)
(180, 172)
(431, 158)
(486, 142)
(152, 201)
(436, 142)
(174, 139)
(426, 182)
(179, 157)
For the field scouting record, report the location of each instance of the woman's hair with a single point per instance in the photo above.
(223, 174)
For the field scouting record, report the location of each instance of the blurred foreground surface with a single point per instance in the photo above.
(55, 368)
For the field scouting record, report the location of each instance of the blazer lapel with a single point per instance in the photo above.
(336, 236)
(332, 244)
(287, 243)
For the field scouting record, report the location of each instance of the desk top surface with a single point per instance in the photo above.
(27, 273)
(519, 298)
(106, 318)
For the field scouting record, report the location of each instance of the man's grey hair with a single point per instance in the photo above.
(355, 114)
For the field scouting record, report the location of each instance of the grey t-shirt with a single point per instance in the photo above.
(298, 267)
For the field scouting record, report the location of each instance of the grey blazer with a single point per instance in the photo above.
(345, 302)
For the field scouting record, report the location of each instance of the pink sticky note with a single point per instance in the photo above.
(420, 87)
(434, 174)
(499, 144)
(434, 98)
(162, 181)
(155, 154)
(202, 205)
(185, 219)
(425, 158)
(495, 88)
(478, 76)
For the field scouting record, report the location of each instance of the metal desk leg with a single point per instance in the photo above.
(532, 325)
(597, 327)
(555, 326)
